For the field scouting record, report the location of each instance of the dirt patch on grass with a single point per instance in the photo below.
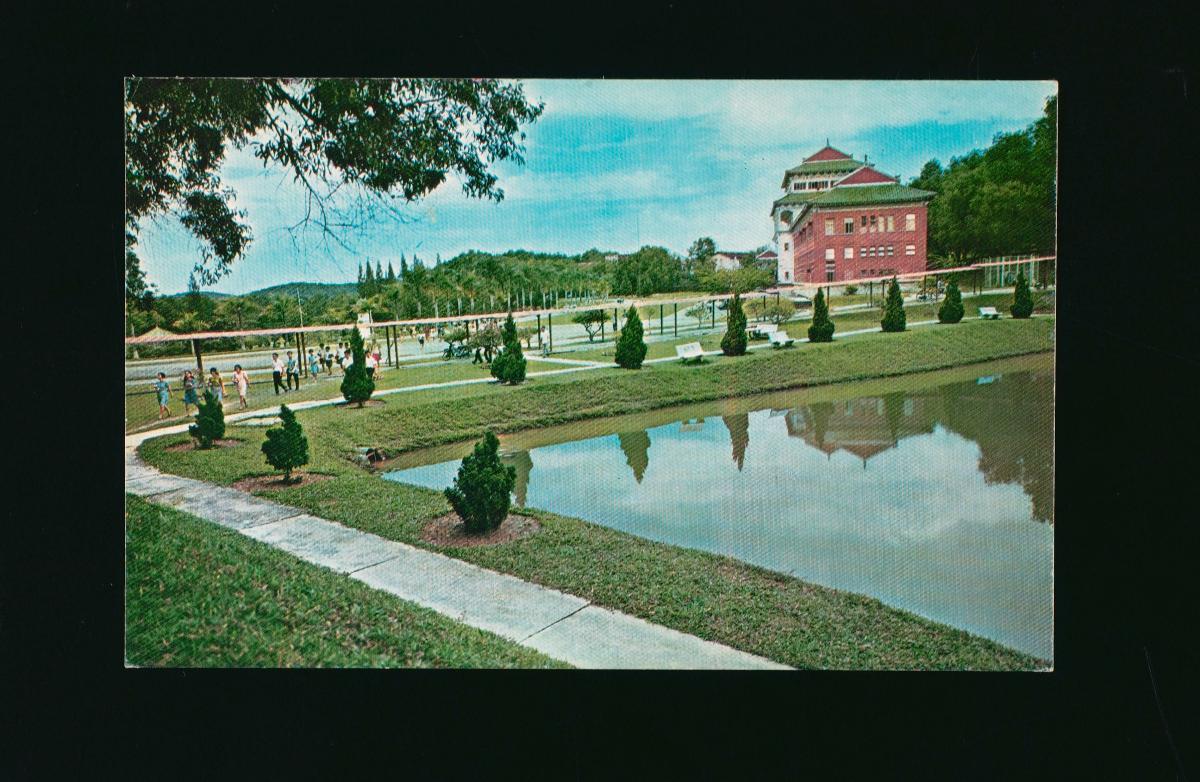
(449, 530)
(354, 405)
(271, 482)
(227, 442)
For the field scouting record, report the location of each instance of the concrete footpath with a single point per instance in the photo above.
(560, 625)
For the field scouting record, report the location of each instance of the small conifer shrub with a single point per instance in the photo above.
(210, 421)
(481, 491)
(356, 385)
(894, 318)
(822, 327)
(286, 448)
(735, 339)
(631, 348)
(509, 365)
(1022, 306)
(951, 310)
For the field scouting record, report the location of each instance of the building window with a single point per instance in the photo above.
(829, 253)
(891, 223)
(796, 186)
(871, 252)
(890, 249)
(785, 217)
(848, 225)
(848, 253)
(872, 228)
(787, 276)
(910, 222)
(829, 226)
(864, 222)
(828, 276)
(910, 249)
(785, 246)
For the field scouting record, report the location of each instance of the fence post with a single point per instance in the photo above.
(550, 328)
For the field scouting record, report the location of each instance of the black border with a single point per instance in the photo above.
(1119, 704)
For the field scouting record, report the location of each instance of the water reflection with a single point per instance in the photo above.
(925, 498)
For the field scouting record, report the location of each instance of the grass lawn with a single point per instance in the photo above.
(198, 594)
(707, 595)
(141, 409)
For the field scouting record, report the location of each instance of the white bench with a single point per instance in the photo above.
(988, 313)
(763, 330)
(689, 352)
(780, 339)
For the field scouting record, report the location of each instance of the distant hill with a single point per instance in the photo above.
(306, 289)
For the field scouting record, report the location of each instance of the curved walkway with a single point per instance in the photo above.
(563, 626)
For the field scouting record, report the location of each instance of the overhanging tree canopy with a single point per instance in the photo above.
(376, 140)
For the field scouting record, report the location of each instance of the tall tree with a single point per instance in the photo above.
(631, 348)
(822, 327)
(735, 339)
(894, 318)
(376, 139)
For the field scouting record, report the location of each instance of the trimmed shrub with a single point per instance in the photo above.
(850, 290)
(286, 448)
(1022, 306)
(480, 494)
(210, 421)
(951, 310)
(631, 348)
(734, 341)
(822, 327)
(894, 318)
(509, 366)
(356, 385)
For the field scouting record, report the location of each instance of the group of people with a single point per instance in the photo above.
(284, 373)
(193, 387)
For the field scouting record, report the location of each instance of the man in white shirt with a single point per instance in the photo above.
(371, 364)
(277, 373)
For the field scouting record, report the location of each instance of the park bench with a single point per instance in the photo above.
(689, 352)
(780, 339)
(988, 313)
(762, 330)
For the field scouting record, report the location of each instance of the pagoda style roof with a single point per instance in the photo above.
(827, 153)
(839, 166)
(794, 199)
(866, 195)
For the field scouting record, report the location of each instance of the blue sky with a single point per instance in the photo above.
(617, 164)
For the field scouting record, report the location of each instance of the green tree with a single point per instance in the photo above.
(894, 318)
(778, 312)
(951, 310)
(740, 280)
(377, 139)
(487, 340)
(356, 385)
(509, 366)
(631, 348)
(1022, 306)
(822, 327)
(210, 421)
(649, 270)
(286, 448)
(700, 312)
(481, 491)
(735, 339)
(591, 320)
(698, 254)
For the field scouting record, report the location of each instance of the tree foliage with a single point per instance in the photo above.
(286, 447)
(509, 366)
(822, 327)
(481, 491)
(700, 312)
(741, 280)
(210, 420)
(649, 270)
(380, 139)
(356, 385)
(631, 348)
(591, 320)
(1001, 200)
(894, 318)
(951, 310)
(735, 340)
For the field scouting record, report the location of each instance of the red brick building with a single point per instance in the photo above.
(842, 219)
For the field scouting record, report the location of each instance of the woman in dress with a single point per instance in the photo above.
(189, 392)
(216, 385)
(242, 381)
(164, 395)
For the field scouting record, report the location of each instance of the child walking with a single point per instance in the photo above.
(164, 395)
(239, 377)
(190, 397)
(216, 386)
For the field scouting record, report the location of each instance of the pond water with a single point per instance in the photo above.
(932, 493)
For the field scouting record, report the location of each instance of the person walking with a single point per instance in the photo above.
(293, 371)
(371, 362)
(421, 343)
(216, 385)
(190, 397)
(328, 360)
(314, 364)
(277, 373)
(242, 382)
(163, 389)
(341, 360)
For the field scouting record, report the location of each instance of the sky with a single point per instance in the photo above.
(616, 165)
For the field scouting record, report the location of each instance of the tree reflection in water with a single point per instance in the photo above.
(636, 447)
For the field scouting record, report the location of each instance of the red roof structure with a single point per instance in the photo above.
(866, 176)
(827, 153)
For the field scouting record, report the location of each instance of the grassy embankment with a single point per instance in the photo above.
(710, 596)
(198, 594)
